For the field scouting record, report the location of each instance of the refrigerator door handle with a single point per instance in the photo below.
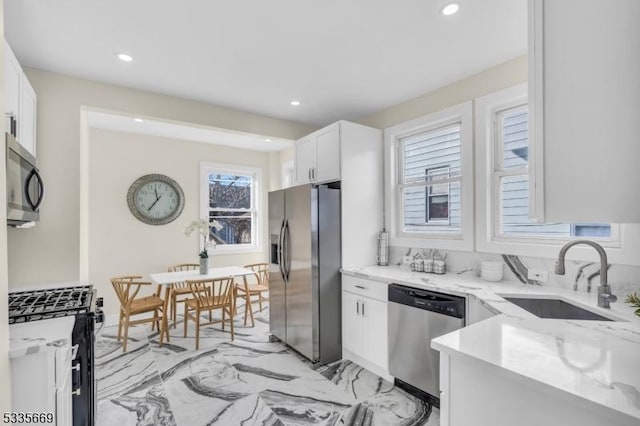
(287, 249)
(280, 248)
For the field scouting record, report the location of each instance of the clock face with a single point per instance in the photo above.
(155, 199)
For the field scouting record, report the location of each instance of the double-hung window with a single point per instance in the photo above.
(511, 185)
(502, 186)
(230, 197)
(430, 180)
(430, 174)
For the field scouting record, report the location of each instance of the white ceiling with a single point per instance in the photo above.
(342, 59)
(190, 132)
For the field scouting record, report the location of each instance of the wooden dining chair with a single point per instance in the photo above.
(180, 292)
(259, 284)
(127, 288)
(209, 295)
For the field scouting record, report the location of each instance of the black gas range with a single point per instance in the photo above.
(83, 303)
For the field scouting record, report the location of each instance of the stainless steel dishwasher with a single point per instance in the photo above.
(415, 318)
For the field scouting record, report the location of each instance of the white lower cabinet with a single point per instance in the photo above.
(352, 325)
(476, 311)
(473, 392)
(364, 323)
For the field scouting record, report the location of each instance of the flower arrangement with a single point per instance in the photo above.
(202, 228)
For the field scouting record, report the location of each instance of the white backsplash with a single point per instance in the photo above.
(624, 279)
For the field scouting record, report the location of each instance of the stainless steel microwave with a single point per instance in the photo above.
(25, 188)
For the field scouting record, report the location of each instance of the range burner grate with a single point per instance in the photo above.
(25, 306)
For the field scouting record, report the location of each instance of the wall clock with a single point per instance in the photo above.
(155, 199)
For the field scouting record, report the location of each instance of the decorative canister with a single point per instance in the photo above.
(428, 265)
(383, 248)
(418, 265)
(439, 267)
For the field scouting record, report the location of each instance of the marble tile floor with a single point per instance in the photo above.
(245, 382)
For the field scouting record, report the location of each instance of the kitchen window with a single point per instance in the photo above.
(511, 183)
(230, 196)
(430, 159)
(502, 222)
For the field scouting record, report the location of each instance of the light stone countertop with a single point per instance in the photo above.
(39, 336)
(598, 361)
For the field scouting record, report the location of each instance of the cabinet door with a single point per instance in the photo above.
(352, 330)
(374, 313)
(328, 154)
(305, 159)
(584, 63)
(12, 72)
(476, 311)
(27, 121)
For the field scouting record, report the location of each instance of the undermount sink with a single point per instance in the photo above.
(555, 308)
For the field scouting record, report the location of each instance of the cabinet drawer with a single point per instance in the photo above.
(364, 287)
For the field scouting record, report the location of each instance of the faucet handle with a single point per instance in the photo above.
(611, 298)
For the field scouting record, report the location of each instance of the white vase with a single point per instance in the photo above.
(204, 265)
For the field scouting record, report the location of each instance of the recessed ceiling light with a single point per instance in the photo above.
(295, 103)
(124, 57)
(450, 9)
(138, 120)
(267, 140)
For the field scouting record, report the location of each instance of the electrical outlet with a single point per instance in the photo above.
(538, 275)
(406, 260)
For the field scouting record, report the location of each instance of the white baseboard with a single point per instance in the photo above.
(368, 365)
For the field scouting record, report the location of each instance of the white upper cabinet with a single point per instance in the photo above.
(318, 156)
(20, 102)
(352, 154)
(305, 159)
(328, 154)
(27, 117)
(12, 72)
(584, 94)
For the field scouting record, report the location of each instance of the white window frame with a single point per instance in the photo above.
(624, 238)
(206, 168)
(462, 114)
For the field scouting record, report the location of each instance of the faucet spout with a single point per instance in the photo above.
(604, 289)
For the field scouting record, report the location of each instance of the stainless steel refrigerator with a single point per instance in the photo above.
(304, 277)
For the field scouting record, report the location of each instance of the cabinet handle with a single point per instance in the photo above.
(314, 173)
(309, 173)
(361, 287)
(362, 308)
(358, 307)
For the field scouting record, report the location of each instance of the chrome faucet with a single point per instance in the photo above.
(604, 289)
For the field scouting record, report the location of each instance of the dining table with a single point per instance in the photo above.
(168, 279)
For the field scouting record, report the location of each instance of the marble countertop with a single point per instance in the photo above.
(39, 336)
(594, 360)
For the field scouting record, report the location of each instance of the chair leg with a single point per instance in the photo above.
(186, 319)
(154, 322)
(223, 312)
(120, 318)
(260, 300)
(174, 309)
(126, 334)
(197, 329)
(247, 300)
(231, 321)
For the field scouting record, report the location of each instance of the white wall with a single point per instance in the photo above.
(5, 379)
(491, 80)
(118, 243)
(50, 252)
